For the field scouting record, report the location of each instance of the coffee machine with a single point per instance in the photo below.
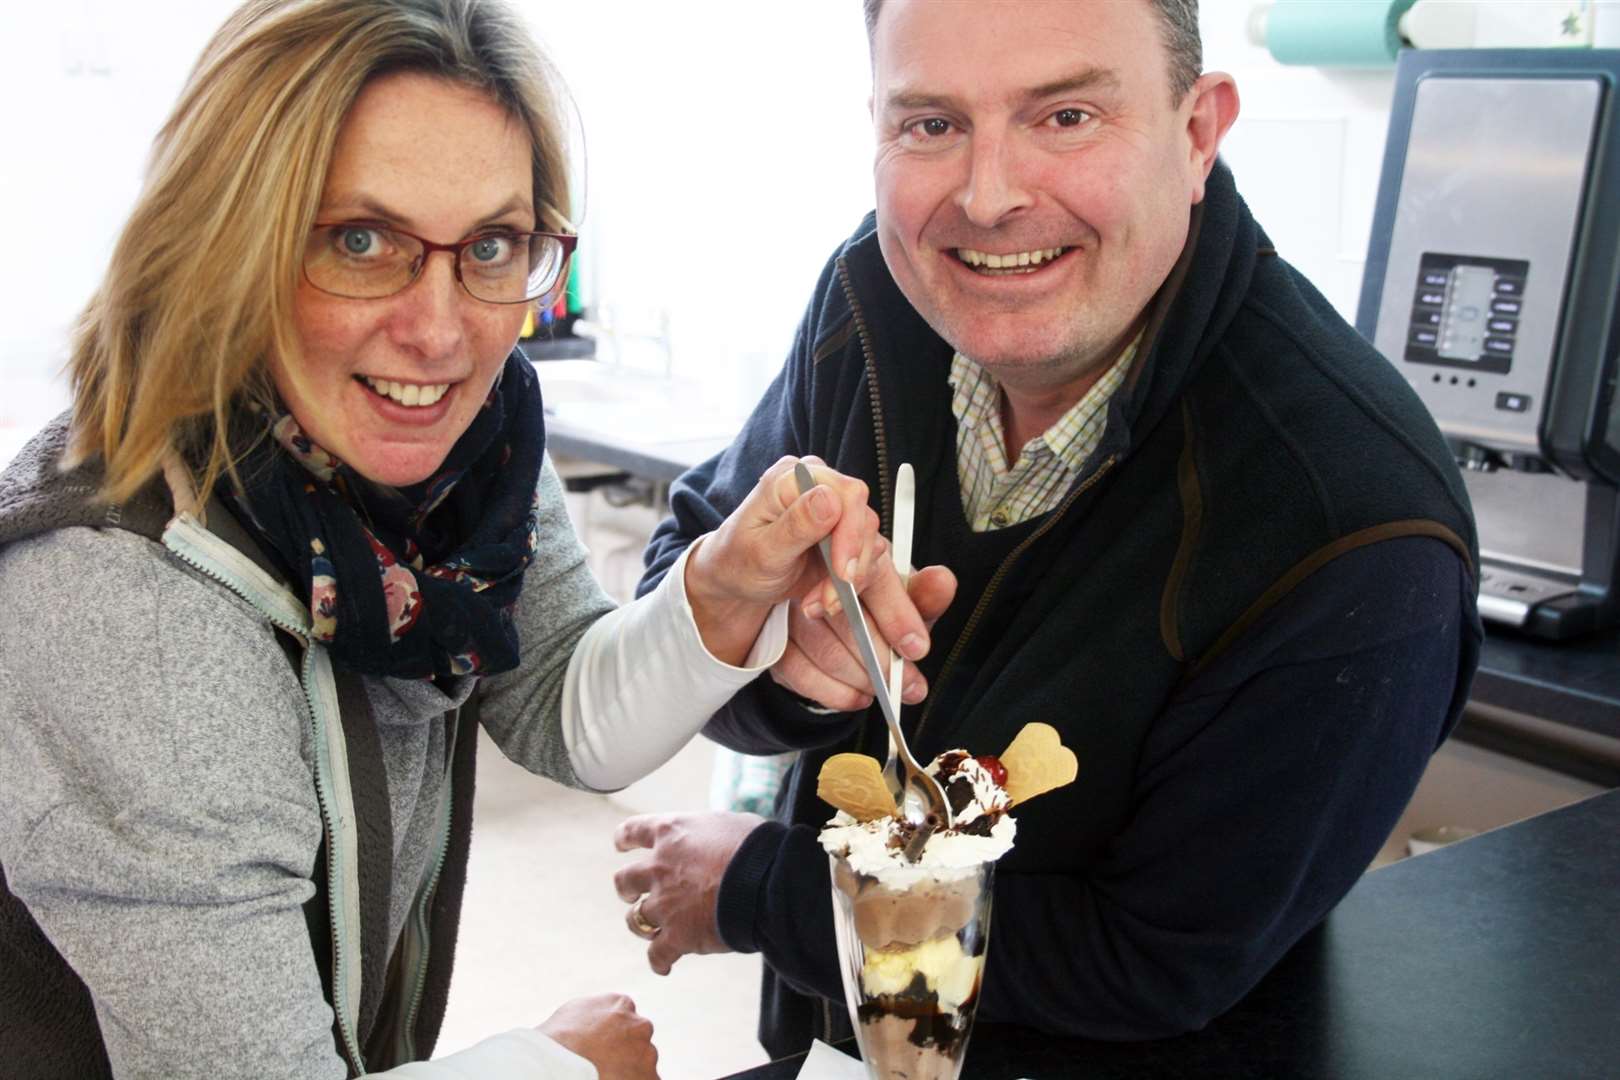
(1493, 285)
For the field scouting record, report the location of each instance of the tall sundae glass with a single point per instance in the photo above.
(913, 925)
(911, 959)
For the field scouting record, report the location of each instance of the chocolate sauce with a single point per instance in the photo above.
(933, 1027)
(959, 793)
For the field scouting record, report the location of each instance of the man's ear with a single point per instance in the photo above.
(1211, 106)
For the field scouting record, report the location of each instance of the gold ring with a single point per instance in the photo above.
(639, 924)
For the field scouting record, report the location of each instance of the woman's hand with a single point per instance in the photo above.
(606, 1030)
(764, 553)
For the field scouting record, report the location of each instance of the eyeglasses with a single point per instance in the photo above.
(368, 262)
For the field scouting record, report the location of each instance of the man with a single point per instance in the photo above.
(1194, 522)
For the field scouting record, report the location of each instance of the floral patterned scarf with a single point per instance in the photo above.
(409, 582)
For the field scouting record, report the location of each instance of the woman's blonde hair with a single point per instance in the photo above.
(200, 288)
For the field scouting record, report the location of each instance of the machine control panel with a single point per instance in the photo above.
(1481, 244)
(1465, 312)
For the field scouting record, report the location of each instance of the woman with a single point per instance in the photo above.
(295, 540)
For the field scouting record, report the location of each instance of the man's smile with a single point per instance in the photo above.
(993, 264)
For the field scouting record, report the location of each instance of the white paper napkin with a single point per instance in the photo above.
(825, 1063)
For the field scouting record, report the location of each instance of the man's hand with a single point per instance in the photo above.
(607, 1031)
(821, 661)
(678, 885)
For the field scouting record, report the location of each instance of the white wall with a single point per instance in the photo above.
(1306, 151)
(728, 151)
(85, 84)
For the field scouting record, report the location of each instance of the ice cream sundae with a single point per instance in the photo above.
(912, 931)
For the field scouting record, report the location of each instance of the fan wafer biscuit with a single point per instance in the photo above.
(1036, 762)
(854, 784)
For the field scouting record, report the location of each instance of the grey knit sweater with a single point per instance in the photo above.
(157, 813)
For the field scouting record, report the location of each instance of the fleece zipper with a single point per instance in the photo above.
(417, 940)
(885, 498)
(210, 555)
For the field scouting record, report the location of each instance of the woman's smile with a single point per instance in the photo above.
(410, 394)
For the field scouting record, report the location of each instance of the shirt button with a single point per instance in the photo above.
(1000, 519)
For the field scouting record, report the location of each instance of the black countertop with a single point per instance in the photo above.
(1554, 704)
(1574, 682)
(1495, 957)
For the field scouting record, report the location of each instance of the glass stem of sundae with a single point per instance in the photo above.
(913, 922)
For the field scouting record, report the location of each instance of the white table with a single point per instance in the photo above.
(650, 426)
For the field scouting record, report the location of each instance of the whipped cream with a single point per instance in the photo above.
(877, 849)
(981, 831)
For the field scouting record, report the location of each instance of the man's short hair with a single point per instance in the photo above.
(1178, 23)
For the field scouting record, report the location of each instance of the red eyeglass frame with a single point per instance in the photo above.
(568, 241)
